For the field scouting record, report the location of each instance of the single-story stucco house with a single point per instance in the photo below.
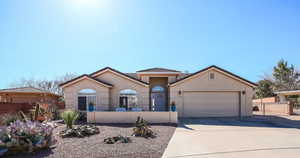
(13, 100)
(210, 92)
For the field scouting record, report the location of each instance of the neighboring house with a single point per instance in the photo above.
(210, 92)
(13, 99)
(282, 95)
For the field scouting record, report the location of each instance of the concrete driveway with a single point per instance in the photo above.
(231, 138)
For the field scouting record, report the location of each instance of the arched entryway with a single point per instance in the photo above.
(158, 98)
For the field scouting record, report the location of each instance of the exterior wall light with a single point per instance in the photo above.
(179, 92)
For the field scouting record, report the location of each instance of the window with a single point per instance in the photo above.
(128, 98)
(85, 98)
(211, 76)
(158, 89)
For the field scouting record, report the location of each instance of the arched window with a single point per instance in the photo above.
(128, 98)
(158, 89)
(85, 98)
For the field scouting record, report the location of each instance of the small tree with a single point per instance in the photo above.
(264, 89)
(47, 85)
(286, 77)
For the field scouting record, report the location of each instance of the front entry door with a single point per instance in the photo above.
(82, 103)
(158, 101)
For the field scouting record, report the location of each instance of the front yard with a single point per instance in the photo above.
(94, 146)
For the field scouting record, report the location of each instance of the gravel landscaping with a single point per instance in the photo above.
(94, 147)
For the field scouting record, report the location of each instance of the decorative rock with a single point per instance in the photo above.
(80, 131)
(121, 139)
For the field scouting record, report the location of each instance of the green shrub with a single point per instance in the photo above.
(82, 116)
(69, 117)
(142, 129)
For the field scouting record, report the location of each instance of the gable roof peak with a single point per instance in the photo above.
(95, 74)
(218, 68)
(87, 76)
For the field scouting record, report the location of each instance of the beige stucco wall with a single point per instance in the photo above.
(146, 78)
(71, 94)
(130, 117)
(120, 83)
(221, 83)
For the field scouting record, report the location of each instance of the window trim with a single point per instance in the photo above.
(87, 96)
(128, 95)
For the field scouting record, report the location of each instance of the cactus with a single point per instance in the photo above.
(36, 112)
(142, 129)
(23, 116)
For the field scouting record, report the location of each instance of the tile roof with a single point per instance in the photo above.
(24, 90)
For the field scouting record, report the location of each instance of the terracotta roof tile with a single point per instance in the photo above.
(24, 90)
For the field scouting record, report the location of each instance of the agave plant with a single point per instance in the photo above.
(69, 117)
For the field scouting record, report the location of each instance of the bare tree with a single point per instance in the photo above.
(45, 84)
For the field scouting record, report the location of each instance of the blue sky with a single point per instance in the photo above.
(46, 39)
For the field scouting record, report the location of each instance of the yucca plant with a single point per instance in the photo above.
(69, 117)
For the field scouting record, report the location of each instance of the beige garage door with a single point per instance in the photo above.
(210, 104)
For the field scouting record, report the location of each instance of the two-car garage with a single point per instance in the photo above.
(210, 104)
(212, 92)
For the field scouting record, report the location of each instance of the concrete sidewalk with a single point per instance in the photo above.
(230, 138)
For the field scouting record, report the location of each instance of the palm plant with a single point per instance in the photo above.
(69, 117)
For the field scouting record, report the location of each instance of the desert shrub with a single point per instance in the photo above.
(55, 112)
(69, 117)
(119, 139)
(6, 119)
(255, 108)
(82, 116)
(142, 129)
(80, 131)
(26, 137)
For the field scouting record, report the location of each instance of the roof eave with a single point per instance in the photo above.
(63, 85)
(249, 83)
